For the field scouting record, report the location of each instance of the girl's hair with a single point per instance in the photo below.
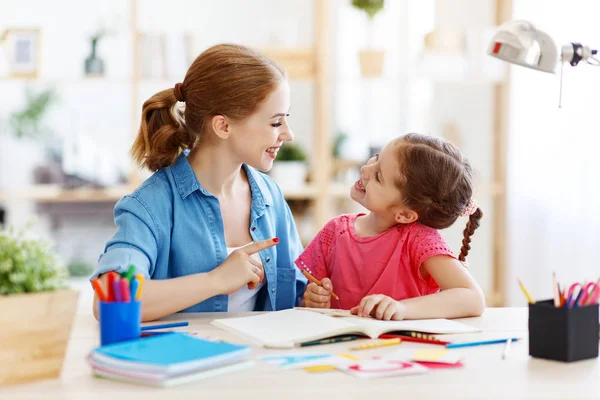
(437, 183)
(225, 79)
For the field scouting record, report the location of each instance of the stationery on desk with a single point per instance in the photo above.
(167, 360)
(292, 327)
(120, 287)
(577, 295)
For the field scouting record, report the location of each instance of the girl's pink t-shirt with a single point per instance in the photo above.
(388, 263)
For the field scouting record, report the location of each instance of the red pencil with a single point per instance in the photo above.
(125, 294)
(110, 295)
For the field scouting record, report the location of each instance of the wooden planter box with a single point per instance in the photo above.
(34, 332)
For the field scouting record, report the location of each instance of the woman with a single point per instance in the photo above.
(207, 230)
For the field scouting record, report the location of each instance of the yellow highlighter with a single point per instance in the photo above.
(140, 279)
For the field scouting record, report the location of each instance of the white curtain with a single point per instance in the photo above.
(554, 158)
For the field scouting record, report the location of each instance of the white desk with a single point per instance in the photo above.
(484, 376)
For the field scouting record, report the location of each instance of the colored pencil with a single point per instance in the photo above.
(525, 292)
(164, 326)
(125, 293)
(97, 285)
(318, 282)
(330, 340)
(506, 349)
(483, 342)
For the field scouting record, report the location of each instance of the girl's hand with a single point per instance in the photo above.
(240, 268)
(380, 307)
(316, 296)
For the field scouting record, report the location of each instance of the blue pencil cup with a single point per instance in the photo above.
(120, 321)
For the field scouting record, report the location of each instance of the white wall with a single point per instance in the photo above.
(554, 169)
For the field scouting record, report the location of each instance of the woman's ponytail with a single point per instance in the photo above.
(163, 134)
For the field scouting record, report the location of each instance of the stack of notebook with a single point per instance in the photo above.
(167, 360)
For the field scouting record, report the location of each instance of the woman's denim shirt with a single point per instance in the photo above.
(171, 226)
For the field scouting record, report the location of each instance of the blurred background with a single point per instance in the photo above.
(74, 74)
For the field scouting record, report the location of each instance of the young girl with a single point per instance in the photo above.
(202, 228)
(392, 263)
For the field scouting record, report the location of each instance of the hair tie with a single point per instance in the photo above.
(178, 92)
(470, 209)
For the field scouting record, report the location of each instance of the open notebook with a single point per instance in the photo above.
(288, 328)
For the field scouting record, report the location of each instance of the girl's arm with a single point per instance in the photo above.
(460, 296)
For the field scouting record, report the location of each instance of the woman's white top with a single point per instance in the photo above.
(244, 299)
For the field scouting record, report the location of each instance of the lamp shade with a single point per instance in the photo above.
(520, 43)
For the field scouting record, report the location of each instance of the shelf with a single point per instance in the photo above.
(69, 81)
(56, 194)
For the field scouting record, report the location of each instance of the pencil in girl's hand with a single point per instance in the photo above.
(318, 282)
(97, 285)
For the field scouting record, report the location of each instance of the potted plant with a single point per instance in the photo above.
(371, 59)
(36, 309)
(290, 169)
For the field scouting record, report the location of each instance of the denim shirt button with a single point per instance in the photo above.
(268, 259)
(273, 290)
(253, 228)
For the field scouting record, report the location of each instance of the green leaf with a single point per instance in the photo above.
(371, 7)
(27, 264)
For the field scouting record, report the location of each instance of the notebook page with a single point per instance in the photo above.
(286, 328)
(374, 328)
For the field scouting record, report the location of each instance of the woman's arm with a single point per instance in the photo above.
(460, 296)
(165, 297)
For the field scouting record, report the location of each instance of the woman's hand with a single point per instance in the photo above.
(240, 268)
(316, 296)
(380, 307)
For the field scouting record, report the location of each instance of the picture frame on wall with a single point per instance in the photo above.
(21, 49)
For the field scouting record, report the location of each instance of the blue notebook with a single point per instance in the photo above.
(169, 354)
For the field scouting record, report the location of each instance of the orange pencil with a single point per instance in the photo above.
(556, 290)
(318, 282)
(97, 285)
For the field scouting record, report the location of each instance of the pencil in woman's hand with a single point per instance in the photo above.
(318, 282)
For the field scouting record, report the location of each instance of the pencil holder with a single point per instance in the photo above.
(120, 321)
(563, 334)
